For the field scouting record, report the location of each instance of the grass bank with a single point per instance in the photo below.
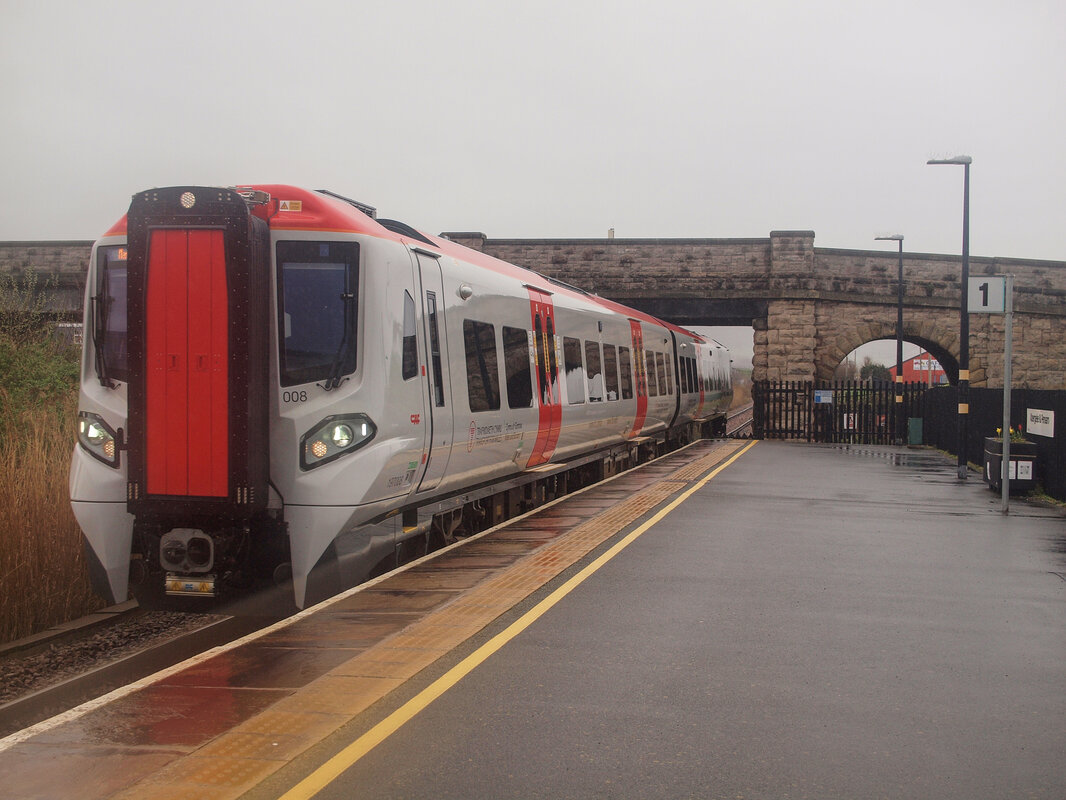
(43, 576)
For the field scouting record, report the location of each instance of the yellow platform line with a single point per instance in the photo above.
(347, 757)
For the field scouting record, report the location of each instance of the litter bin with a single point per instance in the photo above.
(914, 430)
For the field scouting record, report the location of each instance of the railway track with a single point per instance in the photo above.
(739, 421)
(73, 667)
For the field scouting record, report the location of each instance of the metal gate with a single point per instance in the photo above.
(853, 412)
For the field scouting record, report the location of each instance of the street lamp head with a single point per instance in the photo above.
(965, 160)
(894, 237)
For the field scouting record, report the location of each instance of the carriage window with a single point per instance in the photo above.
(541, 360)
(318, 287)
(482, 370)
(575, 370)
(109, 314)
(660, 371)
(653, 386)
(434, 349)
(669, 375)
(610, 371)
(638, 372)
(409, 367)
(516, 366)
(593, 371)
(626, 373)
(553, 364)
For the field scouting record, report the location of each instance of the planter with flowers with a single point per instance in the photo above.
(1023, 456)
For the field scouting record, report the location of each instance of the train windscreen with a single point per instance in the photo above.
(109, 314)
(317, 307)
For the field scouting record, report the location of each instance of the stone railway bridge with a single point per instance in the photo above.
(809, 306)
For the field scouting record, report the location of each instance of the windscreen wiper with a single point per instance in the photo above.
(100, 310)
(334, 380)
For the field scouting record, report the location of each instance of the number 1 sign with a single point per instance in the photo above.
(987, 295)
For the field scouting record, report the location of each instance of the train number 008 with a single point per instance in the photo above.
(294, 397)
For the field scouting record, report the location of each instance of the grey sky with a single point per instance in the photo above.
(552, 119)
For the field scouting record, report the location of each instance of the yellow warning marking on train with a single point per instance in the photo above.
(346, 758)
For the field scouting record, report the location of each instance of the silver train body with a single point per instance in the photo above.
(275, 382)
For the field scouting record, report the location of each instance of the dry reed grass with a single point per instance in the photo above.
(741, 388)
(43, 576)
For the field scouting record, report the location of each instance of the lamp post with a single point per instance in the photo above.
(898, 237)
(964, 312)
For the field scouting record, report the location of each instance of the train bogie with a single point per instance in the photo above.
(278, 383)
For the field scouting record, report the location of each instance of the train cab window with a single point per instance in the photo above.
(574, 371)
(482, 367)
(653, 386)
(516, 367)
(318, 301)
(593, 371)
(625, 373)
(610, 371)
(109, 314)
(409, 361)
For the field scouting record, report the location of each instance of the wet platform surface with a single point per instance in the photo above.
(225, 722)
(811, 623)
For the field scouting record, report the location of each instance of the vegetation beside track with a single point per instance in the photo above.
(43, 575)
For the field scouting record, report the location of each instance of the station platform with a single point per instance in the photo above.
(733, 620)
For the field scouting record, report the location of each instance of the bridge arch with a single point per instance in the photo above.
(917, 334)
(839, 328)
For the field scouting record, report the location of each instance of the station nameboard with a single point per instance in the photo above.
(1040, 422)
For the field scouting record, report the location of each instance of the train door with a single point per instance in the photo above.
(187, 380)
(438, 389)
(640, 375)
(700, 383)
(542, 317)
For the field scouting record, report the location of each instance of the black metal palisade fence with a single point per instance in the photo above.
(854, 412)
(861, 412)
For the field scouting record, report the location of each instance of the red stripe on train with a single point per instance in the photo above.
(546, 367)
(641, 378)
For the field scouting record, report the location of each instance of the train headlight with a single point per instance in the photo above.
(97, 437)
(334, 437)
(342, 435)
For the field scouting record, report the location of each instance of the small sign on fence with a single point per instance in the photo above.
(1040, 422)
(823, 396)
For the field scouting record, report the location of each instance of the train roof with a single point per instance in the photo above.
(292, 208)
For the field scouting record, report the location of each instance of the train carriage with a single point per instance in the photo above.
(276, 382)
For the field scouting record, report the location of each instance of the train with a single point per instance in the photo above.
(279, 387)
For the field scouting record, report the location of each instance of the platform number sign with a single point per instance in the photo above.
(987, 295)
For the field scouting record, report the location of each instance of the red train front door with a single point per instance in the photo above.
(186, 350)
